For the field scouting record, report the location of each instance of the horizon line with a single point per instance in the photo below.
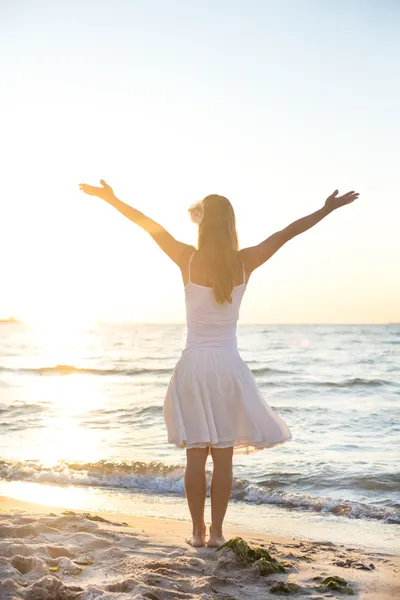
(247, 324)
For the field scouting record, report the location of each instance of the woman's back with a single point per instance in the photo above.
(209, 323)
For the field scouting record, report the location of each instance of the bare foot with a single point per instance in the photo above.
(215, 541)
(198, 539)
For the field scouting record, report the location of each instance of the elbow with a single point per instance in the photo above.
(287, 234)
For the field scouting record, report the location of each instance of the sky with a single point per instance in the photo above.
(274, 104)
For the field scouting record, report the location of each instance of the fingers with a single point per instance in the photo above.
(88, 189)
(349, 197)
(92, 190)
(346, 197)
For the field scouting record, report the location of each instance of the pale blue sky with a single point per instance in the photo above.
(273, 104)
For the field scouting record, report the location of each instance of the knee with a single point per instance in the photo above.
(222, 457)
(197, 458)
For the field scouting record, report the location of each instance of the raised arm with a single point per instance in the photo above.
(177, 251)
(256, 256)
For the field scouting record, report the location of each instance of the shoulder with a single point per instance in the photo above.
(189, 250)
(246, 259)
(185, 254)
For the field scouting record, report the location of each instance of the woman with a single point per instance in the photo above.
(213, 404)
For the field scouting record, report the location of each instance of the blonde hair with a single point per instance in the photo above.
(218, 244)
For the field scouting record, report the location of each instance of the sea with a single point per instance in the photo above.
(81, 413)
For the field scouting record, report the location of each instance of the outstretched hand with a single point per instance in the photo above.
(105, 192)
(334, 201)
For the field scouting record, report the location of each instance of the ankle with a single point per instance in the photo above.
(199, 529)
(216, 531)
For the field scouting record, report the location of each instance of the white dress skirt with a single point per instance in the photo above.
(213, 400)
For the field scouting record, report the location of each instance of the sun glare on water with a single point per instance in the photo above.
(63, 353)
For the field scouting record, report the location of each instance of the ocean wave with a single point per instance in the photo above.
(270, 371)
(385, 481)
(321, 504)
(71, 370)
(346, 383)
(355, 382)
(389, 482)
(24, 408)
(98, 419)
(64, 370)
(157, 477)
(149, 411)
(20, 415)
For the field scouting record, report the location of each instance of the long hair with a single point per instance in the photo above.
(218, 244)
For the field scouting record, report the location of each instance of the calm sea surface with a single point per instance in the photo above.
(82, 425)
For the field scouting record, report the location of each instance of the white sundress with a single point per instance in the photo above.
(212, 397)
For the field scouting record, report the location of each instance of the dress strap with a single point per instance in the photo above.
(244, 274)
(190, 262)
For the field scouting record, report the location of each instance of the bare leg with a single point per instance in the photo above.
(195, 488)
(221, 487)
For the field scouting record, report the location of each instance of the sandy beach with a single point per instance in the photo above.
(53, 553)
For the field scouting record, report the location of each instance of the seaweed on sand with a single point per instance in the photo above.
(286, 588)
(247, 555)
(337, 584)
